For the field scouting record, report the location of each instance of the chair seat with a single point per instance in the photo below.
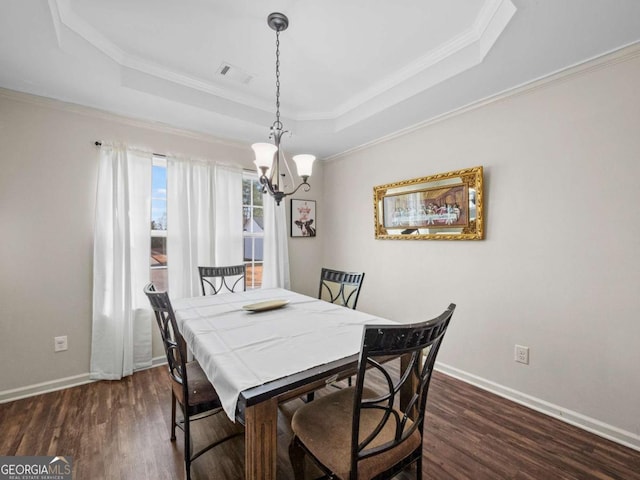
(324, 427)
(201, 392)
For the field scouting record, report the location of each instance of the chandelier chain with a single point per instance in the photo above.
(278, 123)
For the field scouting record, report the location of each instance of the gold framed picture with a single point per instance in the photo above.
(444, 206)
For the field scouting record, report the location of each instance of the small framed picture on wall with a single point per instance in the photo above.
(303, 218)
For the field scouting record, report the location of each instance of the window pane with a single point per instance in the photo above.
(254, 220)
(247, 221)
(158, 261)
(248, 249)
(254, 275)
(257, 193)
(253, 226)
(247, 184)
(160, 278)
(159, 198)
(253, 249)
(258, 249)
(258, 219)
(158, 251)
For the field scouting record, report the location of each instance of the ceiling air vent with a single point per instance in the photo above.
(233, 73)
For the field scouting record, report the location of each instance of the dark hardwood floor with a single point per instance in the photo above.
(120, 430)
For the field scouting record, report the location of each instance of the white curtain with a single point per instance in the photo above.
(204, 221)
(229, 239)
(275, 270)
(121, 333)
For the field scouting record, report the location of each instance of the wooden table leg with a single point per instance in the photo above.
(261, 424)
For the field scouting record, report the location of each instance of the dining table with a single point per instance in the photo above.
(262, 347)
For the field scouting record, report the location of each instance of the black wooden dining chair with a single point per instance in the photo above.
(190, 387)
(342, 288)
(364, 432)
(231, 278)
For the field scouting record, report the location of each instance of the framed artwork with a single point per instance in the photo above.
(445, 206)
(303, 218)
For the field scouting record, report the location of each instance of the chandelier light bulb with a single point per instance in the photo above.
(304, 163)
(264, 154)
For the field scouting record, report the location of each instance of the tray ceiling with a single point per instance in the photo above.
(350, 71)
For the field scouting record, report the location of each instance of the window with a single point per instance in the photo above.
(159, 223)
(253, 228)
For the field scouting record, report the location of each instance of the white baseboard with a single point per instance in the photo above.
(615, 434)
(44, 387)
(58, 384)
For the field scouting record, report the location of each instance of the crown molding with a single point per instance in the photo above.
(482, 34)
(67, 107)
(63, 16)
(607, 59)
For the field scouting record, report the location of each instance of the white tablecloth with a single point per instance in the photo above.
(238, 349)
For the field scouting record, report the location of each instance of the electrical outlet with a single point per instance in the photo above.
(60, 344)
(522, 354)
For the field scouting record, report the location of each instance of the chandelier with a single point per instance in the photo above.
(269, 155)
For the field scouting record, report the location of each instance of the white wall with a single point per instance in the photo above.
(559, 270)
(48, 174)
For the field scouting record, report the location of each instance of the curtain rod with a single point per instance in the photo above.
(98, 143)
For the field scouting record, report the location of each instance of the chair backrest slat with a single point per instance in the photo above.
(216, 279)
(342, 288)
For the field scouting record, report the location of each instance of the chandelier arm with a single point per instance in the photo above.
(267, 185)
(304, 184)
